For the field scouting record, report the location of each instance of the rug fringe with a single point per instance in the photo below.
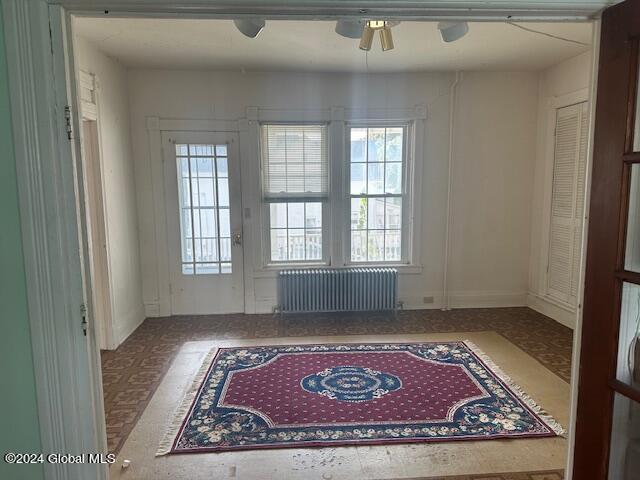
(551, 422)
(184, 406)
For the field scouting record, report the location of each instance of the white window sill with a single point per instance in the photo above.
(271, 271)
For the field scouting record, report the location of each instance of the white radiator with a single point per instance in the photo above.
(337, 289)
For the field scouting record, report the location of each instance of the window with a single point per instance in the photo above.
(296, 231)
(203, 192)
(294, 186)
(377, 189)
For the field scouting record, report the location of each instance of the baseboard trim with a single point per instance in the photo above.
(152, 310)
(129, 327)
(456, 300)
(487, 299)
(555, 311)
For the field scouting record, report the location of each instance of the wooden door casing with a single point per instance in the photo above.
(615, 102)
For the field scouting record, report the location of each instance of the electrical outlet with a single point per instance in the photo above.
(427, 299)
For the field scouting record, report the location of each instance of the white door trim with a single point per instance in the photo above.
(161, 305)
(91, 111)
(67, 405)
(552, 105)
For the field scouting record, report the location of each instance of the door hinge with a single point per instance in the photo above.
(83, 323)
(67, 119)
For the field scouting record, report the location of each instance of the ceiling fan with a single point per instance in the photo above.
(361, 29)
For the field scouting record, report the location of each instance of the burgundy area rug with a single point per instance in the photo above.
(339, 394)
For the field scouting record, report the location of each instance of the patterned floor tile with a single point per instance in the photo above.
(132, 373)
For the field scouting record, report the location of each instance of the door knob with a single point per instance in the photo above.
(237, 239)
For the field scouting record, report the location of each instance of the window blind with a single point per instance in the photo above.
(294, 161)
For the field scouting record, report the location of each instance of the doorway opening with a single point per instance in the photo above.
(229, 159)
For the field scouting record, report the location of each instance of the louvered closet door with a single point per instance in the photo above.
(567, 203)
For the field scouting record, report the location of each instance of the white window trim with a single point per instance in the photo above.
(335, 229)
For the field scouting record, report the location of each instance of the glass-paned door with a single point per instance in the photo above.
(607, 440)
(204, 222)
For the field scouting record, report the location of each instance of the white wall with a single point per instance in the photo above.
(565, 78)
(494, 151)
(494, 158)
(121, 220)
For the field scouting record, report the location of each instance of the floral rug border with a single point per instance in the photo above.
(182, 413)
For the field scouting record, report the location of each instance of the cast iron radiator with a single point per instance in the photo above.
(337, 289)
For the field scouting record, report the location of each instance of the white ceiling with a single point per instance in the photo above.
(314, 46)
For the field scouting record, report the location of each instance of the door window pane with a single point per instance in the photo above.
(632, 254)
(203, 196)
(205, 167)
(624, 459)
(636, 133)
(628, 366)
(223, 168)
(223, 192)
(225, 222)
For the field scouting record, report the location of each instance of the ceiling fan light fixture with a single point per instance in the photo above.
(250, 27)
(350, 28)
(386, 39)
(452, 31)
(366, 40)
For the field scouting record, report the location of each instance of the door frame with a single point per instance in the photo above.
(156, 126)
(39, 60)
(90, 112)
(66, 362)
(168, 138)
(605, 253)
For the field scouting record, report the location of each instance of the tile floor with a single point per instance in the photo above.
(469, 460)
(131, 374)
